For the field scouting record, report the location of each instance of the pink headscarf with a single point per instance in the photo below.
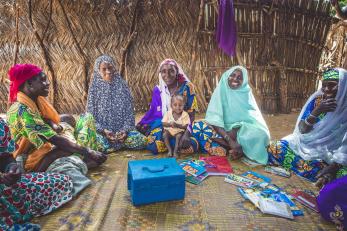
(18, 74)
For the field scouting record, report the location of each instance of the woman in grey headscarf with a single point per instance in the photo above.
(111, 104)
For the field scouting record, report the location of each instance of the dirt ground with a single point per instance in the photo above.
(281, 125)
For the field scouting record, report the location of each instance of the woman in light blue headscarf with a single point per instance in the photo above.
(233, 120)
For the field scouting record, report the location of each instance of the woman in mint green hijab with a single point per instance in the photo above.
(233, 121)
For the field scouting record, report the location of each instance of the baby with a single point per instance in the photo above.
(175, 123)
(65, 128)
(68, 123)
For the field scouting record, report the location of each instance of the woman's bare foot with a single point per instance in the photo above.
(235, 155)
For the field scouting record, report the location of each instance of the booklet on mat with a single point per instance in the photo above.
(251, 194)
(306, 199)
(270, 192)
(239, 180)
(196, 179)
(192, 168)
(256, 177)
(217, 165)
(275, 208)
(277, 171)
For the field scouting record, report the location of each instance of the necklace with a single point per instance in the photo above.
(174, 91)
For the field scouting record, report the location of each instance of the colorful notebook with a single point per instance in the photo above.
(217, 165)
(256, 177)
(272, 193)
(196, 179)
(283, 197)
(192, 168)
(239, 180)
(306, 199)
(251, 194)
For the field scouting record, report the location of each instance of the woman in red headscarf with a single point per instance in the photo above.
(27, 115)
(40, 146)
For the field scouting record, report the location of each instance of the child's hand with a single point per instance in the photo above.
(57, 128)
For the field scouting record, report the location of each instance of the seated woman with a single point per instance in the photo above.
(35, 138)
(233, 121)
(111, 104)
(319, 137)
(24, 196)
(172, 80)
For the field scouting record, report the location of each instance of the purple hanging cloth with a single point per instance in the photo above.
(226, 33)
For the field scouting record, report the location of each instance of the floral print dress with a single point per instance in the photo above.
(35, 194)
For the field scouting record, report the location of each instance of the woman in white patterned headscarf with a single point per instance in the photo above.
(172, 80)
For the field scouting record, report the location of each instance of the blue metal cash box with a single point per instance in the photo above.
(155, 180)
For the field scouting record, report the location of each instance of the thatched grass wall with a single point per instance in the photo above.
(335, 52)
(279, 41)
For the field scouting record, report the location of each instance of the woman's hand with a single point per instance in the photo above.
(121, 136)
(57, 128)
(235, 148)
(327, 175)
(235, 151)
(110, 136)
(185, 140)
(327, 105)
(96, 156)
(12, 176)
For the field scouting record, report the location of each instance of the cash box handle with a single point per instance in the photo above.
(153, 170)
